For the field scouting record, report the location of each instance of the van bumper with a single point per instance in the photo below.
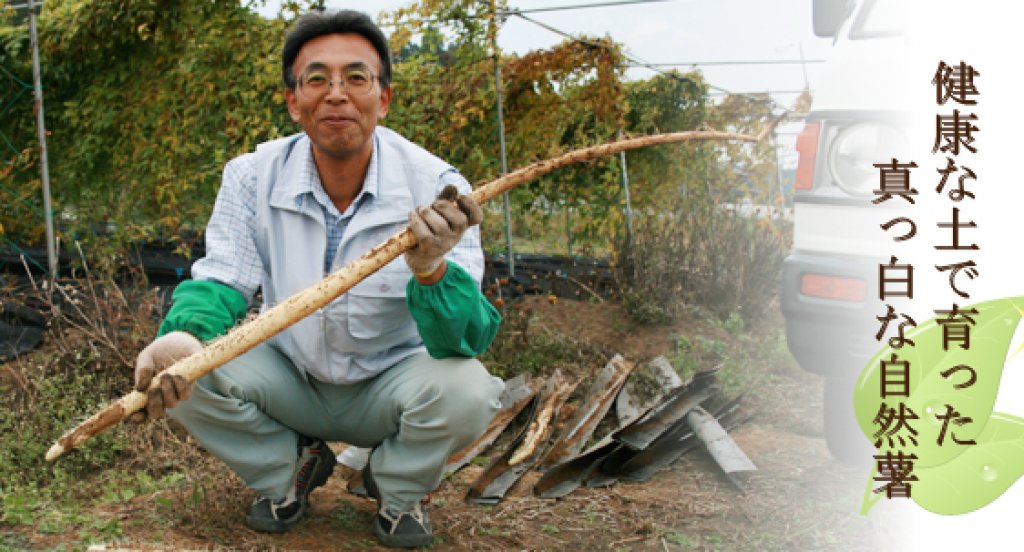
(830, 336)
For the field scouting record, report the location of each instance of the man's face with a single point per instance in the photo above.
(339, 122)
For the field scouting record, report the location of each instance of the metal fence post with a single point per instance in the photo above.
(501, 139)
(51, 249)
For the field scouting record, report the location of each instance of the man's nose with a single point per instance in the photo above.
(336, 91)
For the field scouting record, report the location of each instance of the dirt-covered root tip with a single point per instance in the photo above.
(450, 192)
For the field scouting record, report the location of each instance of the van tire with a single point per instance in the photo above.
(843, 435)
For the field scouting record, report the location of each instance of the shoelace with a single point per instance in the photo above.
(304, 472)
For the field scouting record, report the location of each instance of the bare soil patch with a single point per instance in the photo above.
(799, 499)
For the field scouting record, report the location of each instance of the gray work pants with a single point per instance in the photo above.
(250, 411)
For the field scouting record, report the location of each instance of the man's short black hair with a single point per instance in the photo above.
(317, 24)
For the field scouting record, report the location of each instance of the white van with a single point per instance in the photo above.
(829, 284)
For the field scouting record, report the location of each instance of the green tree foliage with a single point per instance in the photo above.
(562, 99)
(444, 87)
(668, 102)
(745, 170)
(147, 99)
(17, 126)
(555, 100)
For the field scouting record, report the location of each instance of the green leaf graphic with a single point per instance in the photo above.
(952, 478)
(978, 476)
(930, 392)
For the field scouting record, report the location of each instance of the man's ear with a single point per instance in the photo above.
(385, 101)
(293, 105)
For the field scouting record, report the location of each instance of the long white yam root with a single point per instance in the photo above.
(271, 322)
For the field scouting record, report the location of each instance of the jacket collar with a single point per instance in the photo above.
(389, 198)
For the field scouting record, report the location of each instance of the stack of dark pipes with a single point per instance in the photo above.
(647, 440)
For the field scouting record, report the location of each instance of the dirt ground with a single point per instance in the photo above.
(799, 499)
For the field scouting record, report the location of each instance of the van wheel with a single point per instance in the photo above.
(843, 435)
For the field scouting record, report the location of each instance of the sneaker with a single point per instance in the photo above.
(316, 462)
(408, 529)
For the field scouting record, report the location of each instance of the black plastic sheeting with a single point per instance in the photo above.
(21, 329)
(162, 265)
(562, 276)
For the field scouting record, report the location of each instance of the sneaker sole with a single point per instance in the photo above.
(266, 525)
(400, 541)
(387, 539)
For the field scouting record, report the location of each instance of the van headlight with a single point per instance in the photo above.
(857, 148)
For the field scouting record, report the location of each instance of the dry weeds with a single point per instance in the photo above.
(800, 499)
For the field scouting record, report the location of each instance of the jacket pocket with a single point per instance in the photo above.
(377, 307)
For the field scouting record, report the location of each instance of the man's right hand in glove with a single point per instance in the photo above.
(155, 358)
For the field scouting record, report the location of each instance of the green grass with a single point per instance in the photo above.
(348, 517)
(679, 539)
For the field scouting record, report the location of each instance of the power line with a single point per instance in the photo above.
(556, 31)
(760, 92)
(739, 62)
(579, 6)
(635, 61)
(513, 11)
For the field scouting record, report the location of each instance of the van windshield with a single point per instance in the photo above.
(879, 18)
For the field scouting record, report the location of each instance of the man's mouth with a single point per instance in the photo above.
(337, 120)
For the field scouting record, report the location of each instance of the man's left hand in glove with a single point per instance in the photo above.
(438, 227)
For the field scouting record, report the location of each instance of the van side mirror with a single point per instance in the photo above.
(829, 15)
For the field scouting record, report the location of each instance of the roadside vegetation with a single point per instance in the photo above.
(147, 99)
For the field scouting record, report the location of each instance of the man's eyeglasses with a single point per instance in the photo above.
(354, 80)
